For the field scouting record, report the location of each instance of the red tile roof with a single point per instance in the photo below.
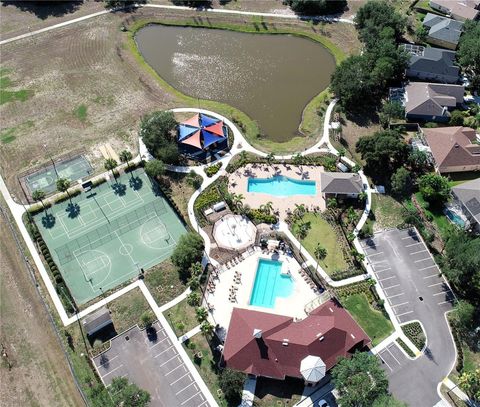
(269, 355)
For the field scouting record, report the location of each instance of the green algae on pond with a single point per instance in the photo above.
(269, 77)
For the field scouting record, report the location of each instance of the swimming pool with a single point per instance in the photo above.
(454, 218)
(282, 186)
(269, 284)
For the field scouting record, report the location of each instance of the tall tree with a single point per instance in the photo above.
(158, 135)
(316, 7)
(189, 250)
(110, 165)
(128, 394)
(125, 157)
(360, 380)
(402, 182)
(39, 195)
(155, 168)
(468, 53)
(434, 188)
(63, 184)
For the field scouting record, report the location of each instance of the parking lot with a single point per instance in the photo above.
(407, 273)
(154, 365)
(392, 357)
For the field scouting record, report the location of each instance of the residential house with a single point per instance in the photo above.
(431, 101)
(341, 185)
(276, 346)
(431, 64)
(459, 10)
(454, 149)
(443, 31)
(467, 195)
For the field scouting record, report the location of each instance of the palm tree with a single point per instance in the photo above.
(270, 158)
(125, 157)
(332, 204)
(297, 159)
(352, 215)
(237, 201)
(39, 195)
(341, 153)
(320, 253)
(207, 329)
(202, 314)
(299, 211)
(267, 208)
(63, 184)
(110, 165)
(362, 196)
(303, 230)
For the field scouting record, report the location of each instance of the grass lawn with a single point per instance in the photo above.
(388, 212)
(373, 322)
(438, 216)
(321, 232)
(471, 360)
(163, 282)
(206, 365)
(182, 318)
(273, 393)
(127, 310)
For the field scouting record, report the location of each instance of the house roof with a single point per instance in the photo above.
(96, 321)
(465, 9)
(443, 28)
(429, 99)
(453, 146)
(469, 194)
(434, 60)
(329, 332)
(340, 183)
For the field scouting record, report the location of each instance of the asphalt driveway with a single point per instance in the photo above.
(153, 364)
(411, 281)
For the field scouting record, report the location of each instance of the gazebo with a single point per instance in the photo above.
(234, 232)
(312, 368)
(201, 132)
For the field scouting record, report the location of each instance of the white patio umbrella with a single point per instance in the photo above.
(312, 368)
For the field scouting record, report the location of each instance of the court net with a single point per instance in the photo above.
(109, 231)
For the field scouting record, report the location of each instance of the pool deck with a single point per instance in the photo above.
(238, 184)
(293, 305)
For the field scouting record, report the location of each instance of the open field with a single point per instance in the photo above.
(182, 318)
(40, 374)
(373, 322)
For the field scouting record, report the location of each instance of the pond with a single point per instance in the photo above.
(269, 77)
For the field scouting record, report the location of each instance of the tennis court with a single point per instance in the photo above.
(103, 238)
(46, 178)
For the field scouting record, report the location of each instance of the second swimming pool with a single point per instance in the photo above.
(282, 186)
(270, 283)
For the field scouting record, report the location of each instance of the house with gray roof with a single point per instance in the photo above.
(431, 64)
(431, 101)
(467, 195)
(458, 10)
(443, 31)
(340, 185)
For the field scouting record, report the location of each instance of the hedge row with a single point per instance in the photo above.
(212, 169)
(338, 275)
(404, 346)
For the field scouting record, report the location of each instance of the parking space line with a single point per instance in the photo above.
(200, 405)
(429, 267)
(189, 398)
(375, 254)
(392, 286)
(384, 361)
(403, 303)
(387, 278)
(409, 237)
(413, 244)
(388, 350)
(173, 357)
(444, 302)
(158, 343)
(171, 384)
(420, 251)
(426, 258)
(405, 313)
(381, 271)
(378, 262)
(163, 351)
(396, 295)
(107, 361)
(111, 371)
(433, 285)
(441, 292)
(430, 276)
(185, 388)
(175, 368)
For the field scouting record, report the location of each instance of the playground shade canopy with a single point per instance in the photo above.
(201, 131)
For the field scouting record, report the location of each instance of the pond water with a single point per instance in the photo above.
(269, 77)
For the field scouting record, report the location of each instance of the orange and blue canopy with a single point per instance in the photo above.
(201, 131)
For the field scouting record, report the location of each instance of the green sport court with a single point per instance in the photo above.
(46, 178)
(103, 238)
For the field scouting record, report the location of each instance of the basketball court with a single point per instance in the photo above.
(104, 237)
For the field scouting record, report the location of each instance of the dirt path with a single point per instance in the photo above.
(39, 374)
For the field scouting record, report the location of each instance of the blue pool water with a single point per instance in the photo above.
(282, 186)
(270, 284)
(455, 218)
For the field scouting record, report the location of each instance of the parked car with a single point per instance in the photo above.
(323, 403)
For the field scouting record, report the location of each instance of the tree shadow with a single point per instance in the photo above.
(73, 210)
(136, 183)
(48, 221)
(119, 189)
(45, 9)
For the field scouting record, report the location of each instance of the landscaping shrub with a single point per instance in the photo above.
(257, 216)
(212, 169)
(231, 383)
(415, 333)
(189, 250)
(404, 346)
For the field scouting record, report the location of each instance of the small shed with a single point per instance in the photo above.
(96, 321)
